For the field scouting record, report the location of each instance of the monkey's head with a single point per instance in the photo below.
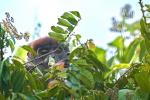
(46, 48)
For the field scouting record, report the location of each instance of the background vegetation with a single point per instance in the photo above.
(90, 75)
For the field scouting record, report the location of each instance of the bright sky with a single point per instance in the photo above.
(96, 15)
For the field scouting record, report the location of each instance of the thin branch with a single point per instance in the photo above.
(143, 11)
(135, 65)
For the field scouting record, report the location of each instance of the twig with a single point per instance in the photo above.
(143, 11)
(127, 72)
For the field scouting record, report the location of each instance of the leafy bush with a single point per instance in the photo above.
(89, 75)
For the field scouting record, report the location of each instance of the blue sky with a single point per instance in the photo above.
(96, 15)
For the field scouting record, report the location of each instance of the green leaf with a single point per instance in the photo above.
(86, 77)
(29, 49)
(18, 64)
(74, 53)
(123, 93)
(92, 59)
(78, 37)
(148, 7)
(18, 79)
(130, 51)
(146, 34)
(110, 61)
(21, 53)
(70, 18)
(58, 29)
(120, 66)
(31, 80)
(117, 43)
(70, 90)
(143, 27)
(11, 44)
(1, 69)
(4, 75)
(142, 50)
(143, 80)
(63, 22)
(76, 13)
(48, 92)
(57, 36)
(147, 44)
(81, 62)
(117, 67)
(101, 54)
(2, 97)
(133, 27)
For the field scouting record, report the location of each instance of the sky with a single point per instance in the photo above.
(96, 15)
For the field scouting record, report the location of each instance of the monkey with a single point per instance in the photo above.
(47, 47)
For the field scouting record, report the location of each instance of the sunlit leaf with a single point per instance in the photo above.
(63, 22)
(91, 45)
(78, 37)
(21, 53)
(117, 67)
(52, 83)
(76, 13)
(130, 51)
(58, 29)
(101, 54)
(70, 18)
(117, 43)
(57, 36)
(29, 49)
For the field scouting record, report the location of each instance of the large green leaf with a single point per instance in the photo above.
(31, 81)
(123, 93)
(146, 34)
(63, 22)
(2, 97)
(48, 92)
(5, 75)
(18, 79)
(147, 44)
(18, 64)
(92, 59)
(57, 36)
(110, 61)
(70, 18)
(29, 49)
(58, 29)
(11, 44)
(76, 13)
(21, 53)
(133, 27)
(131, 49)
(142, 50)
(101, 54)
(143, 80)
(117, 67)
(117, 43)
(86, 78)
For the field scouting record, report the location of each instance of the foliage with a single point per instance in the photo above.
(89, 74)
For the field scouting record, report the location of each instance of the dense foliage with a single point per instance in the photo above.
(90, 75)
